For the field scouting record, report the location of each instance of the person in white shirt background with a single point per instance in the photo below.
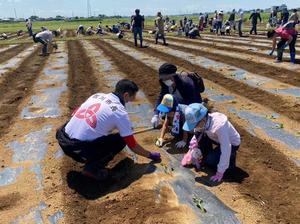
(45, 38)
(215, 136)
(240, 22)
(29, 27)
(89, 136)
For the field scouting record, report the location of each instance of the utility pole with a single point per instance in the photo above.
(15, 13)
(89, 11)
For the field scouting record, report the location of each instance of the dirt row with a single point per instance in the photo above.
(265, 165)
(81, 85)
(87, 201)
(16, 85)
(12, 52)
(236, 42)
(278, 104)
(70, 33)
(225, 48)
(262, 69)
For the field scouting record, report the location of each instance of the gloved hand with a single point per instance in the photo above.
(180, 145)
(217, 177)
(155, 156)
(155, 121)
(159, 142)
(271, 52)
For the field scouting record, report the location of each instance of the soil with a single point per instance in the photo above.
(230, 49)
(12, 52)
(134, 70)
(81, 82)
(70, 33)
(123, 198)
(265, 188)
(278, 104)
(15, 86)
(264, 165)
(233, 43)
(281, 74)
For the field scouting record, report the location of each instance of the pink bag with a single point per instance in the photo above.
(194, 155)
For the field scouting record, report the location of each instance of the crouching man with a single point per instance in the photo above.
(90, 136)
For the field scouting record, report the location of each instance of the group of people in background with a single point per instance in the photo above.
(282, 26)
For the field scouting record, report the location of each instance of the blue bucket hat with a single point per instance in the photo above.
(194, 113)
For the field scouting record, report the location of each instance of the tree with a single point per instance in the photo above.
(33, 17)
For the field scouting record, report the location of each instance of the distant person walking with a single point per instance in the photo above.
(201, 22)
(254, 17)
(219, 20)
(284, 17)
(240, 22)
(159, 25)
(29, 26)
(232, 19)
(137, 24)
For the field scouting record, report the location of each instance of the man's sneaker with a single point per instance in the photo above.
(94, 173)
(278, 61)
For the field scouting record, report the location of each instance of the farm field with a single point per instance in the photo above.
(39, 184)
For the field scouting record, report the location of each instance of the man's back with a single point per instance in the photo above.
(45, 35)
(138, 21)
(98, 116)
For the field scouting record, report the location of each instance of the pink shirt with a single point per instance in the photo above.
(222, 131)
(285, 33)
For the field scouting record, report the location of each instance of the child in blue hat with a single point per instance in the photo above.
(215, 136)
(172, 112)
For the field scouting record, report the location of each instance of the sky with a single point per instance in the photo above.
(48, 8)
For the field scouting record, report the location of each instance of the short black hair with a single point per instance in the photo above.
(271, 33)
(126, 86)
(137, 11)
(295, 10)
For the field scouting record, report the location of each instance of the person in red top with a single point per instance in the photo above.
(99, 129)
(288, 35)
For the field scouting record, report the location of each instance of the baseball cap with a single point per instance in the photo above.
(167, 104)
(167, 69)
(194, 113)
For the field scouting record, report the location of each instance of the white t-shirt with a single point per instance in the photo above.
(45, 35)
(29, 24)
(98, 116)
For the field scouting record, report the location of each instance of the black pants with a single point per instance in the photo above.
(30, 31)
(44, 43)
(138, 31)
(99, 152)
(280, 48)
(158, 36)
(212, 152)
(254, 28)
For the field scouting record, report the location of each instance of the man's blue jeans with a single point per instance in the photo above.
(138, 31)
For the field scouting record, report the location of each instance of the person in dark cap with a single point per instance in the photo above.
(187, 88)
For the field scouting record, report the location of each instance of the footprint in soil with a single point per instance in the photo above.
(120, 177)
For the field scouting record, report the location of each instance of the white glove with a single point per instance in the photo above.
(180, 145)
(155, 121)
(159, 142)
